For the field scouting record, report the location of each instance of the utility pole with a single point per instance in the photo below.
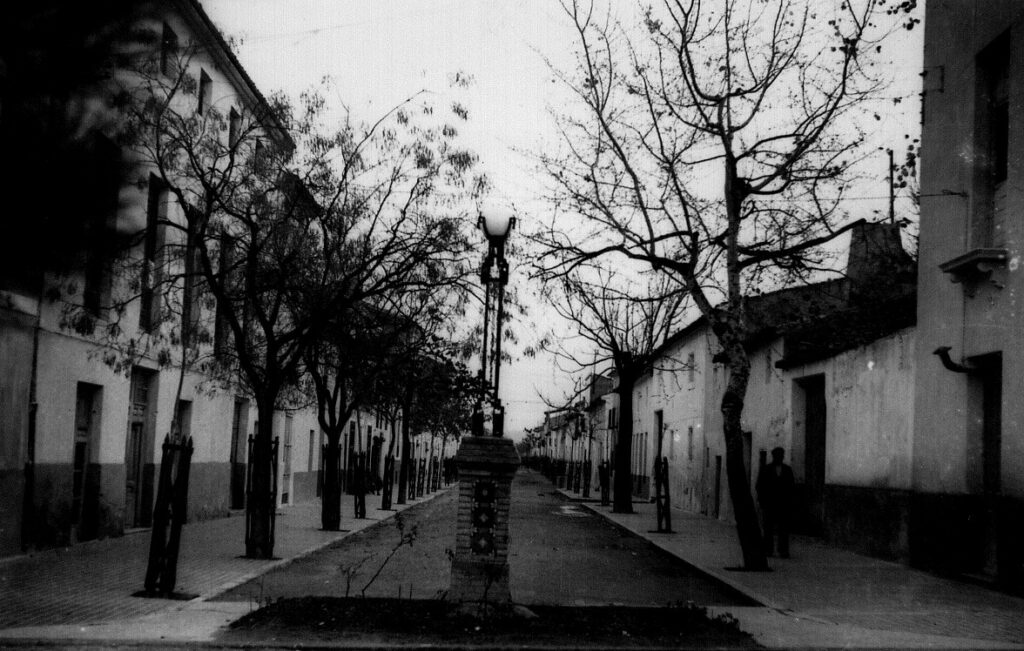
(892, 191)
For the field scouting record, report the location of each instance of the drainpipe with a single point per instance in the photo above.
(947, 361)
(28, 494)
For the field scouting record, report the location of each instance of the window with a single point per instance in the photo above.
(992, 132)
(234, 127)
(259, 155)
(999, 118)
(220, 324)
(100, 210)
(690, 367)
(689, 443)
(168, 51)
(191, 310)
(205, 91)
(96, 285)
(149, 309)
(84, 488)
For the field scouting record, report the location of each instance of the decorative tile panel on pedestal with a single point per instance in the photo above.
(480, 567)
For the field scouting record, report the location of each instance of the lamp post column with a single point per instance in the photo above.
(486, 465)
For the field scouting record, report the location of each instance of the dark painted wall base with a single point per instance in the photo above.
(955, 534)
(12, 484)
(872, 521)
(102, 511)
(962, 535)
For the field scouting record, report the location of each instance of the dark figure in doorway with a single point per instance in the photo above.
(775, 495)
(604, 478)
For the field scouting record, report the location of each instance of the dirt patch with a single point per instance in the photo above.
(318, 620)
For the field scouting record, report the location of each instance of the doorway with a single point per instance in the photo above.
(138, 490)
(986, 404)
(286, 474)
(815, 446)
(718, 486)
(237, 455)
(84, 471)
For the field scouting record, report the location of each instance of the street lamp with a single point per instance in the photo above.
(495, 221)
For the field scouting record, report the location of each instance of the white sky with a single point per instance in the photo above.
(379, 52)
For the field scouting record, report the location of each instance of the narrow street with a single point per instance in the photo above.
(560, 554)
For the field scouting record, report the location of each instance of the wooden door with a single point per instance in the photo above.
(237, 456)
(815, 447)
(85, 417)
(136, 446)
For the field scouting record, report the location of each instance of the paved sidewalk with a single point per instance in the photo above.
(84, 592)
(828, 597)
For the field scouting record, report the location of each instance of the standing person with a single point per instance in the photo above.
(775, 495)
(604, 479)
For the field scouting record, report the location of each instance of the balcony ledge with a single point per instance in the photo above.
(975, 265)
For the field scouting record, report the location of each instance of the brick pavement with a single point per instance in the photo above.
(93, 582)
(882, 602)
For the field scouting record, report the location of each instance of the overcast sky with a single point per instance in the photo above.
(379, 52)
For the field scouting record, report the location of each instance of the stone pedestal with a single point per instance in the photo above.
(480, 566)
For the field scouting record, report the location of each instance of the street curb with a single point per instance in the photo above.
(353, 646)
(62, 635)
(285, 562)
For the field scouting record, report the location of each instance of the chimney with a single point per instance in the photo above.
(876, 259)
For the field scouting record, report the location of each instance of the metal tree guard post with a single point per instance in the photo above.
(273, 490)
(179, 513)
(171, 508)
(161, 517)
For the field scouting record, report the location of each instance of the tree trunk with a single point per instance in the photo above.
(403, 467)
(330, 516)
(747, 527)
(622, 500)
(260, 503)
(731, 334)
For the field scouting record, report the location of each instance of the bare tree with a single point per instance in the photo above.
(715, 142)
(625, 321)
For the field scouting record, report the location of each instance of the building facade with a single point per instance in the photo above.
(81, 423)
(968, 467)
(834, 390)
